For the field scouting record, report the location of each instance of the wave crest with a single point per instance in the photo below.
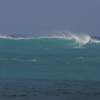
(80, 39)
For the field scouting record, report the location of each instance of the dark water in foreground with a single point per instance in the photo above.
(28, 89)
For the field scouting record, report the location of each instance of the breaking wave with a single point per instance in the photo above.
(79, 40)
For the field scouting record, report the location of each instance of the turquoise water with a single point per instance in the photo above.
(48, 59)
(49, 68)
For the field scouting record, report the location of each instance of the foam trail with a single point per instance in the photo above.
(95, 41)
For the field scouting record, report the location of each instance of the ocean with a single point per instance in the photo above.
(63, 66)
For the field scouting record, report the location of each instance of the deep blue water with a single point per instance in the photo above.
(28, 89)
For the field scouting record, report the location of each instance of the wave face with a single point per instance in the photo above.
(61, 39)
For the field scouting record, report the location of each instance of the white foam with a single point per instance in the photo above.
(34, 60)
(95, 41)
(14, 38)
(81, 39)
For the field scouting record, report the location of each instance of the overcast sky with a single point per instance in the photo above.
(38, 16)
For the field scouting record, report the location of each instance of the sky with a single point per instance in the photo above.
(39, 16)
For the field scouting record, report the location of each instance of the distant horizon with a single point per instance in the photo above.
(29, 29)
(46, 33)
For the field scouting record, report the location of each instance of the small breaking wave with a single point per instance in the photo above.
(79, 39)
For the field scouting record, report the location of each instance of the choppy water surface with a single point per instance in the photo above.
(28, 89)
